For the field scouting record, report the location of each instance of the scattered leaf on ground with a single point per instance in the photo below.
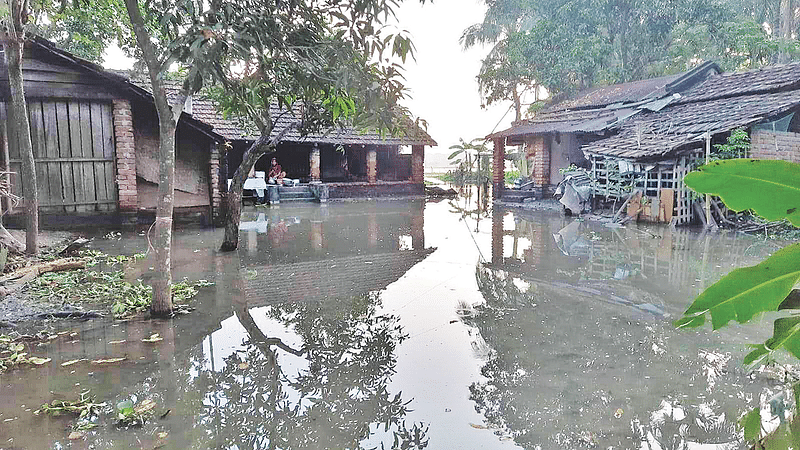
(76, 435)
(146, 406)
(69, 363)
(38, 361)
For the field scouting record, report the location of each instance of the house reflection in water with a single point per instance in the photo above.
(296, 254)
(583, 352)
(662, 265)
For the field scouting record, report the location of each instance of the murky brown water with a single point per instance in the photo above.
(388, 324)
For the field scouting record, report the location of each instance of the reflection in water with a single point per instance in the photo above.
(559, 338)
(332, 400)
(582, 351)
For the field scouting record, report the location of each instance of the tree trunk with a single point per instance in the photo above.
(162, 292)
(517, 104)
(161, 305)
(233, 201)
(13, 42)
(786, 28)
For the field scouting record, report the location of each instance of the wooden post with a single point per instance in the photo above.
(498, 167)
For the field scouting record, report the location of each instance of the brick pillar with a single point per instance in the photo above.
(417, 163)
(372, 164)
(499, 167)
(126, 155)
(314, 163)
(541, 160)
(497, 236)
(214, 177)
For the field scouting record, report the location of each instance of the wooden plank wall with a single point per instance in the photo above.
(46, 76)
(73, 145)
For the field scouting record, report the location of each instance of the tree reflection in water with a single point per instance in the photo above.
(339, 401)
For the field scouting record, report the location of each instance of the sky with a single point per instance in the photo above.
(442, 80)
(442, 83)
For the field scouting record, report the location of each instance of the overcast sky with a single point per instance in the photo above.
(442, 80)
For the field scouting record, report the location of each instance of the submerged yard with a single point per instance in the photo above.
(411, 324)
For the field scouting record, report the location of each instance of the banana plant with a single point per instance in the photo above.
(772, 190)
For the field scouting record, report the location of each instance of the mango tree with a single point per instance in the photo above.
(323, 63)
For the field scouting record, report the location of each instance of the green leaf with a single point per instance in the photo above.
(786, 334)
(758, 352)
(770, 188)
(746, 292)
(751, 424)
(124, 405)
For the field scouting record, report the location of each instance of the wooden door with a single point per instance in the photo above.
(73, 146)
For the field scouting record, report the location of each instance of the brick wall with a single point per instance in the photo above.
(126, 156)
(418, 163)
(214, 181)
(775, 145)
(539, 152)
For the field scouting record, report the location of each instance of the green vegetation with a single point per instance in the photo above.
(565, 47)
(84, 407)
(130, 414)
(472, 161)
(106, 285)
(511, 176)
(736, 146)
(772, 190)
(12, 354)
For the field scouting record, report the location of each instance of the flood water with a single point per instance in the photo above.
(401, 324)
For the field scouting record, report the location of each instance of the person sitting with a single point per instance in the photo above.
(276, 173)
(277, 176)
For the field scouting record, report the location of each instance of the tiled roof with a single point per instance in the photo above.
(205, 110)
(630, 92)
(767, 79)
(656, 134)
(605, 108)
